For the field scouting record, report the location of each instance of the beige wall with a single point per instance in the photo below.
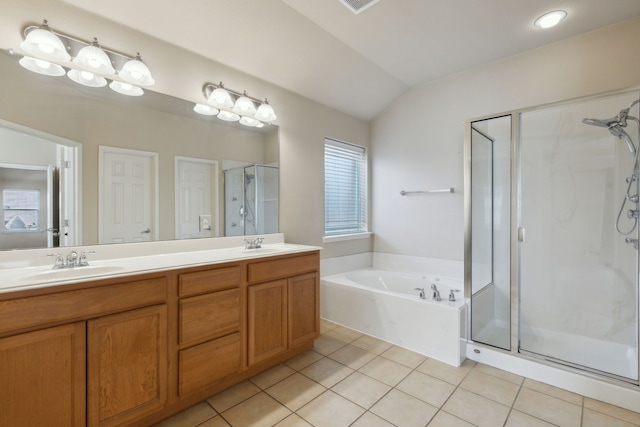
(417, 144)
(303, 124)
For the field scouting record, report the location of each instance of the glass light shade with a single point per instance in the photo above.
(550, 19)
(249, 121)
(228, 116)
(205, 110)
(125, 88)
(244, 106)
(260, 125)
(87, 78)
(43, 44)
(220, 98)
(41, 66)
(136, 72)
(265, 112)
(94, 59)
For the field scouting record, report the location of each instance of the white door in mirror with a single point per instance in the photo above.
(128, 208)
(196, 194)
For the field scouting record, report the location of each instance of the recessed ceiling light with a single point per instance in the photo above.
(550, 19)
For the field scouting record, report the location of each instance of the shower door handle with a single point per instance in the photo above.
(520, 234)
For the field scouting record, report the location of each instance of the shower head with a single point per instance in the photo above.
(605, 123)
(615, 125)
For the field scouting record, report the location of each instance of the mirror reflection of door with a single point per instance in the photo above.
(29, 206)
(196, 194)
(128, 195)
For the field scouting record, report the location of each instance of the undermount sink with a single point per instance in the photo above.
(72, 273)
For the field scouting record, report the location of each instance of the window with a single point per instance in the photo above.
(21, 210)
(345, 188)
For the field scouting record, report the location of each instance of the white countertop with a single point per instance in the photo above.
(16, 275)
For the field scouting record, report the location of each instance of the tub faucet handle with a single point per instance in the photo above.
(422, 294)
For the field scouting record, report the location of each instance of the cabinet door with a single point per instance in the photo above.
(267, 320)
(127, 366)
(304, 309)
(42, 377)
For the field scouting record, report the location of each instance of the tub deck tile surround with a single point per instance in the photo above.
(339, 383)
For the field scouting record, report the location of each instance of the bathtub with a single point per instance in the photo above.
(385, 304)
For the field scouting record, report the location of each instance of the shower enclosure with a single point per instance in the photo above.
(565, 286)
(251, 200)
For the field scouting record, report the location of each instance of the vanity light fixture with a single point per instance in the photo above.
(206, 110)
(43, 43)
(91, 64)
(550, 19)
(235, 106)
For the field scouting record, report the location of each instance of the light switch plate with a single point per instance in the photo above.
(205, 223)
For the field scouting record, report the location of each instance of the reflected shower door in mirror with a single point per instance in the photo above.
(490, 146)
(251, 200)
(59, 114)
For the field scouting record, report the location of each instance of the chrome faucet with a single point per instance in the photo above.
(73, 259)
(452, 295)
(422, 294)
(253, 243)
(436, 292)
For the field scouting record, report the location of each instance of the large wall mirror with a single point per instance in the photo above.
(65, 148)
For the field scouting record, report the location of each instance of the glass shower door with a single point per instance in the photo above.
(578, 274)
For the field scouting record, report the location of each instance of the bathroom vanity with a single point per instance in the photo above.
(134, 348)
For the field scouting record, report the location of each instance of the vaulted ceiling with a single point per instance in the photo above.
(357, 63)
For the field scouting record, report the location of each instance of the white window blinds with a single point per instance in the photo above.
(345, 188)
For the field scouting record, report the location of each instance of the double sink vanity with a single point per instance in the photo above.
(132, 340)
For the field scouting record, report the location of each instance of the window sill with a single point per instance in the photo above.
(345, 237)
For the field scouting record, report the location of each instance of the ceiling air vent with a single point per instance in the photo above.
(357, 6)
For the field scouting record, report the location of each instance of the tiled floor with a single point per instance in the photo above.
(350, 379)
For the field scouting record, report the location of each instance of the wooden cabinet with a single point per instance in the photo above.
(127, 365)
(43, 377)
(209, 331)
(282, 314)
(132, 351)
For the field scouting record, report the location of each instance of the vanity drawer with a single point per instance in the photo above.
(80, 304)
(209, 280)
(265, 271)
(205, 364)
(209, 316)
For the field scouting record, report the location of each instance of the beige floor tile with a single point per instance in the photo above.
(327, 372)
(292, 420)
(385, 370)
(327, 325)
(591, 418)
(303, 360)
(403, 410)
(520, 419)
(614, 411)
(476, 409)
(343, 334)
(491, 387)
(216, 421)
(295, 391)
(190, 417)
(548, 408)
(259, 410)
(451, 374)
(326, 345)
(232, 396)
(444, 419)
(352, 356)
(576, 399)
(403, 356)
(271, 376)
(508, 376)
(372, 345)
(361, 389)
(330, 410)
(426, 388)
(371, 420)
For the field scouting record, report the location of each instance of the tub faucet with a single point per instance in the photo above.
(436, 292)
(422, 294)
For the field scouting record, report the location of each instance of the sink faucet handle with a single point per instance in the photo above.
(258, 242)
(59, 261)
(422, 295)
(452, 295)
(82, 261)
